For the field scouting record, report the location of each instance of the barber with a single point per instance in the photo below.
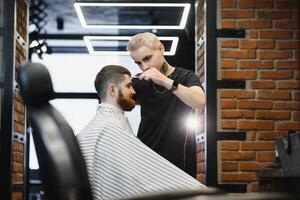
(167, 96)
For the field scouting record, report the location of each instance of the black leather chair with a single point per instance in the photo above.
(62, 168)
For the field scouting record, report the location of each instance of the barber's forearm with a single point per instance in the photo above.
(191, 96)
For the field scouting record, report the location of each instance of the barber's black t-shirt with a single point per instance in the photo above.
(163, 120)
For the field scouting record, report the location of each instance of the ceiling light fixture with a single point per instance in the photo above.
(181, 25)
(88, 41)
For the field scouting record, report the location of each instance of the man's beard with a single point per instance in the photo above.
(126, 103)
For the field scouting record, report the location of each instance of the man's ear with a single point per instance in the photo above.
(161, 48)
(112, 90)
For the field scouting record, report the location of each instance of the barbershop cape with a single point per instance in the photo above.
(120, 165)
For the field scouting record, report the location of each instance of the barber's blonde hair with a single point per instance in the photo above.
(143, 39)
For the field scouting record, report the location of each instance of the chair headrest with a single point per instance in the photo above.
(35, 84)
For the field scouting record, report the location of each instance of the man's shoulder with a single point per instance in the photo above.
(186, 77)
(96, 124)
(183, 74)
(183, 70)
(100, 129)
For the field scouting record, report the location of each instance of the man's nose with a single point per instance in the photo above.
(144, 66)
(132, 91)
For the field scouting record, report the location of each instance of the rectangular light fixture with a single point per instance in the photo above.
(88, 41)
(181, 25)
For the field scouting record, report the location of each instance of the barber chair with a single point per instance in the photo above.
(62, 168)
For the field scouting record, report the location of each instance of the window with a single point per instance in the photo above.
(75, 73)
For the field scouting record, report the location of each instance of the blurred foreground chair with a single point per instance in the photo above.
(62, 168)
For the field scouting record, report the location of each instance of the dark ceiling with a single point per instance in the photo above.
(62, 29)
(64, 9)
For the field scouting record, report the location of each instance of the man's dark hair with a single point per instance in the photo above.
(107, 75)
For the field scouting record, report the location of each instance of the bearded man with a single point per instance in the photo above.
(119, 164)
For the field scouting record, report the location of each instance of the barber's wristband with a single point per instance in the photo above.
(174, 86)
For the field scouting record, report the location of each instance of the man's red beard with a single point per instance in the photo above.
(126, 103)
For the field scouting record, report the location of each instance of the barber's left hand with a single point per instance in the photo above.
(152, 74)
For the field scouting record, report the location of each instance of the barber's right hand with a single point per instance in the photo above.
(152, 74)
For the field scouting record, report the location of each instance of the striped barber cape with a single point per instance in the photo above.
(120, 165)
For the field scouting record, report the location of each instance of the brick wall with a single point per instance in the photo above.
(19, 109)
(268, 60)
(200, 50)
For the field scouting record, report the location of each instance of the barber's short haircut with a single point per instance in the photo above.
(143, 39)
(109, 74)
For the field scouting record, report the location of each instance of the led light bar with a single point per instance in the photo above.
(184, 16)
(88, 42)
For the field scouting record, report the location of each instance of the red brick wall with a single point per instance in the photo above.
(200, 45)
(268, 60)
(201, 74)
(19, 109)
